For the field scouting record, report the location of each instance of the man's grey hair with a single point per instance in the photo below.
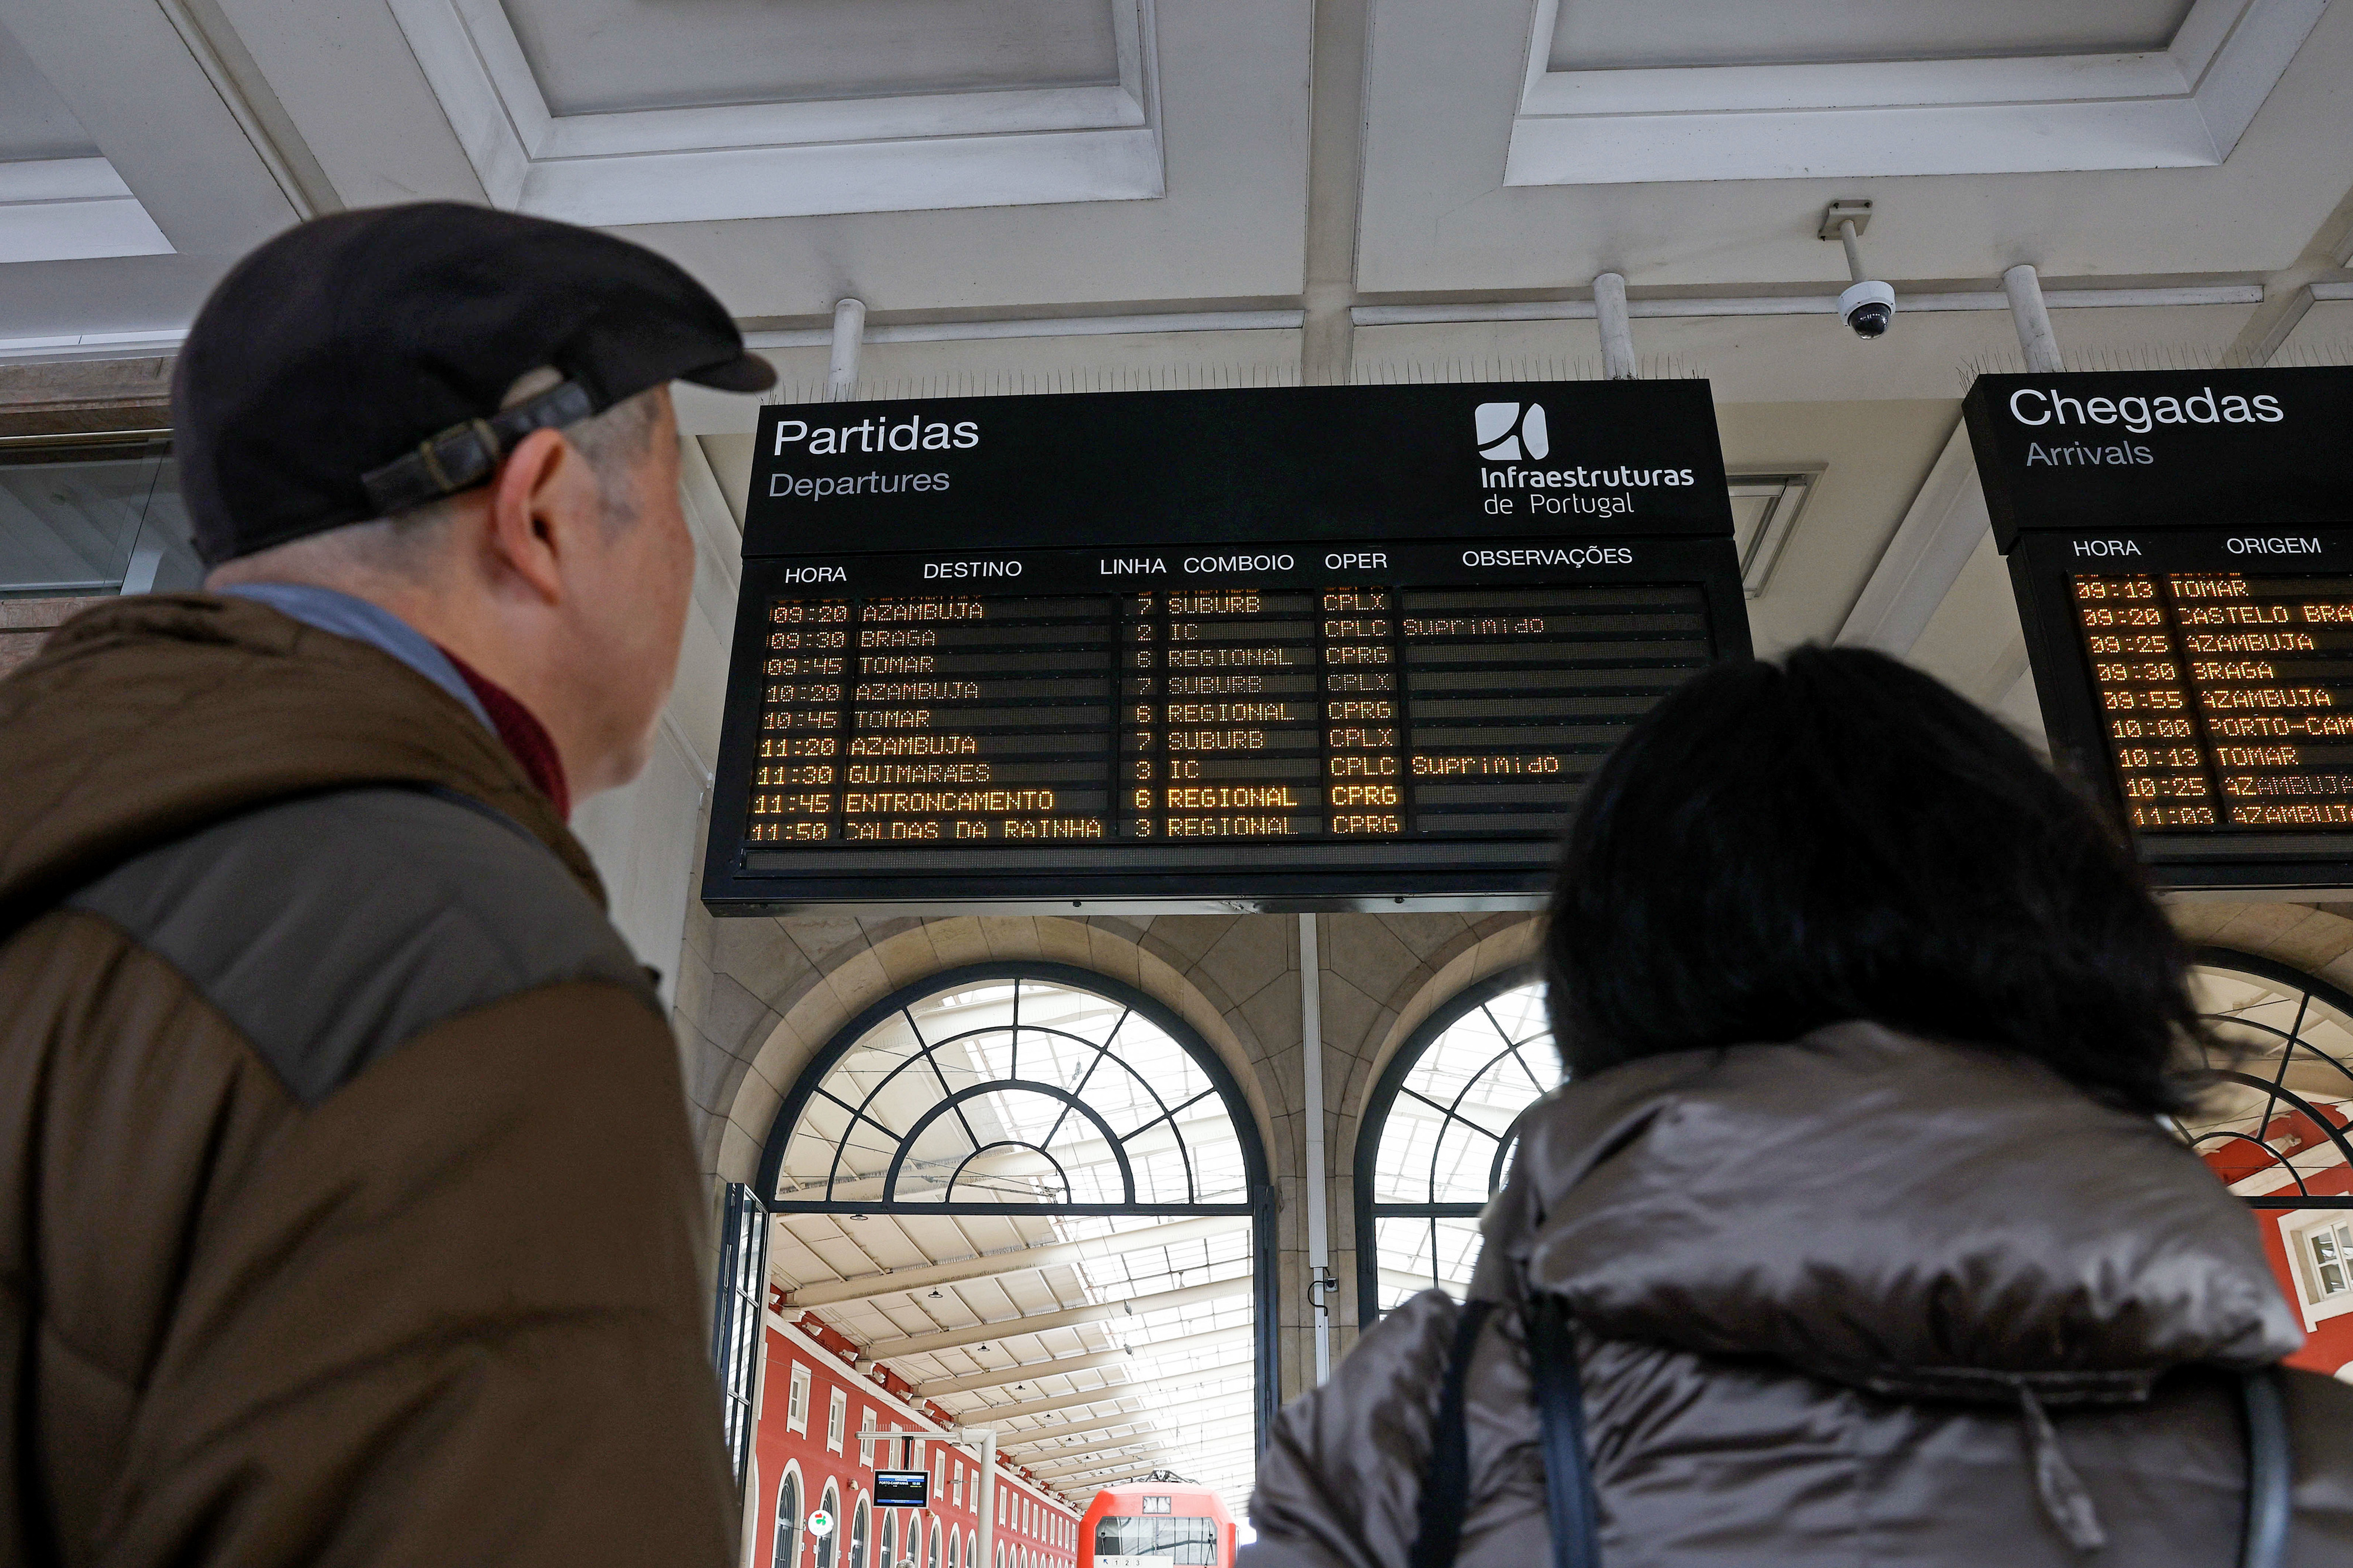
(614, 443)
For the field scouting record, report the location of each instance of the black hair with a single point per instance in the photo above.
(1779, 847)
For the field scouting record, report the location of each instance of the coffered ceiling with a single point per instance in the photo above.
(1270, 176)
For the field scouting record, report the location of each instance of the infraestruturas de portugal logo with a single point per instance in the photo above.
(1512, 432)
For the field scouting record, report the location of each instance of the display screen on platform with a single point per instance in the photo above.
(903, 1488)
(1399, 709)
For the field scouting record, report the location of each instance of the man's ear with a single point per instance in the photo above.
(532, 509)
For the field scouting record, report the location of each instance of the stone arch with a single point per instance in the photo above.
(802, 1016)
(2316, 940)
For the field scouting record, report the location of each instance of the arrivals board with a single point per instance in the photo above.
(1294, 694)
(2182, 549)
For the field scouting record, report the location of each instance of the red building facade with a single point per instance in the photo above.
(808, 1458)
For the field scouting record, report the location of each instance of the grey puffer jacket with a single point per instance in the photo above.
(1856, 1300)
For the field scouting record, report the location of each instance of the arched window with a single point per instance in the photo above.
(858, 1526)
(2273, 1127)
(788, 1524)
(972, 1550)
(832, 1506)
(932, 1557)
(1002, 1107)
(955, 1546)
(890, 1538)
(1437, 1134)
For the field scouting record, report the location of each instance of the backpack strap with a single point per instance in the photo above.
(2271, 1472)
(1560, 1407)
(1446, 1484)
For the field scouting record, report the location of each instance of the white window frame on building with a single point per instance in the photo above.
(796, 1401)
(2319, 1298)
(837, 1419)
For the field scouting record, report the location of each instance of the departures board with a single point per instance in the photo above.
(1348, 699)
(2187, 605)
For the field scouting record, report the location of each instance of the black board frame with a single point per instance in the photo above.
(2185, 492)
(1392, 465)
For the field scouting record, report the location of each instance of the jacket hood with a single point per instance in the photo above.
(143, 720)
(1894, 1214)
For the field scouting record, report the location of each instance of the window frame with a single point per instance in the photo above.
(1373, 1125)
(837, 1419)
(787, 1522)
(797, 1400)
(1258, 1203)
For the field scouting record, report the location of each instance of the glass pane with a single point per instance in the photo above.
(1443, 1133)
(788, 1515)
(1016, 1091)
(1037, 1095)
(2280, 1133)
(73, 519)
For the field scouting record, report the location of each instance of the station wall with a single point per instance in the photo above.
(812, 1406)
(757, 998)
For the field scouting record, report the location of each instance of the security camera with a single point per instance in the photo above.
(1868, 307)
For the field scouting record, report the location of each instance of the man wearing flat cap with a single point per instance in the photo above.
(347, 1214)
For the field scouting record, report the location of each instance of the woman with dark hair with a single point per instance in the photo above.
(1858, 1207)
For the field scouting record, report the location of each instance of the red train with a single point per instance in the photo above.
(1149, 1524)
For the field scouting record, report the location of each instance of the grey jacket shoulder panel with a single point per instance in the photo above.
(329, 930)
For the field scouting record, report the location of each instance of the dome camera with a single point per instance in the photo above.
(1868, 307)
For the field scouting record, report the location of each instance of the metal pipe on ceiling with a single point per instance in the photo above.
(1799, 305)
(1617, 327)
(849, 340)
(2028, 309)
(1040, 327)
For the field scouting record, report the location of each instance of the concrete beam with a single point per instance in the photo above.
(1074, 1317)
(865, 1287)
(1002, 1376)
(1034, 1436)
(1138, 1388)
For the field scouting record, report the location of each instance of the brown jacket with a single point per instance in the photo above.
(347, 1214)
(1811, 1283)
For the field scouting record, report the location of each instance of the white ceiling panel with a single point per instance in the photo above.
(1600, 35)
(34, 120)
(1439, 216)
(60, 200)
(595, 57)
(780, 153)
(1941, 95)
(128, 76)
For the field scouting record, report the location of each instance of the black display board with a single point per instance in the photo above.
(2181, 548)
(1239, 649)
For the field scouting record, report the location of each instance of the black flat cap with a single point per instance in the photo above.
(342, 345)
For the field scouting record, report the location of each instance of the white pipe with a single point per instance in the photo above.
(988, 1491)
(2035, 338)
(1617, 332)
(1319, 1241)
(1798, 305)
(849, 339)
(1854, 272)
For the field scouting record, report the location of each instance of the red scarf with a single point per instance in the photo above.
(524, 735)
